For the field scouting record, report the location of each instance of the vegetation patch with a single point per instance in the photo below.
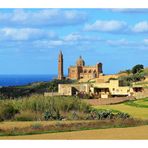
(38, 107)
(136, 74)
(142, 103)
(62, 126)
(135, 112)
(41, 108)
(13, 92)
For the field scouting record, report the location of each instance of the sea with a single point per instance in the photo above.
(18, 80)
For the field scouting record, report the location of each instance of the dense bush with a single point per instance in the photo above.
(38, 107)
(7, 111)
(26, 116)
(14, 92)
(108, 114)
(128, 71)
(36, 126)
(39, 103)
(102, 114)
(55, 115)
(137, 73)
(137, 68)
(127, 80)
(122, 115)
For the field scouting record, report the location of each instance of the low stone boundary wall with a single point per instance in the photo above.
(140, 95)
(108, 101)
(46, 94)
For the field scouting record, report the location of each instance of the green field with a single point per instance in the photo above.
(137, 109)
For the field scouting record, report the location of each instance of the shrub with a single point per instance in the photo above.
(137, 68)
(55, 115)
(38, 107)
(102, 114)
(36, 126)
(122, 115)
(49, 116)
(73, 115)
(7, 111)
(26, 116)
(127, 80)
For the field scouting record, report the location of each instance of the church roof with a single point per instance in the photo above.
(80, 62)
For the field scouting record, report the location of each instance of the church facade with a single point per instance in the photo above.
(80, 70)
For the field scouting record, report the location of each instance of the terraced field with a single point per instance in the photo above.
(112, 133)
(137, 109)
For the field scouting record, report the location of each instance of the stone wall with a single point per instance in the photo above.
(70, 89)
(140, 95)
(80, 72)
(50, 94)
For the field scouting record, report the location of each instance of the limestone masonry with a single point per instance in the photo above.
(92, 82)
(60, 66)
(79, 71)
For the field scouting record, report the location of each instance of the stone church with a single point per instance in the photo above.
(80, 70)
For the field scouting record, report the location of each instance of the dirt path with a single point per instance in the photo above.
(140, 132)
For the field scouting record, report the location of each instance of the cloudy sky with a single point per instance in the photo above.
(30, 39)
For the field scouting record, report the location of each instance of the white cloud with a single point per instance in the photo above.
(18, 15)
(141, 27)
(106, 26)
(129, 10)
(48, 43)
(72, 37)
(71, 40)
(131, 44)
(115, 26)
(145, 41)
(118, 42)
(46, 17)
(56, 43)
(25, 34)
(80, 37)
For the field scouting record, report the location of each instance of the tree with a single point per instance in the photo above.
(137, 68)
(128, 71)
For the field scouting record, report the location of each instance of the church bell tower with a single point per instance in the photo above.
(60, 66)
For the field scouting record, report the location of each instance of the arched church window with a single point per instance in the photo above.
(94, 71)
(85, 71)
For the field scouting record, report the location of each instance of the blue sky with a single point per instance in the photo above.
(30, 39)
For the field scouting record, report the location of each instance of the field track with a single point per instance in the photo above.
(112, 133)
